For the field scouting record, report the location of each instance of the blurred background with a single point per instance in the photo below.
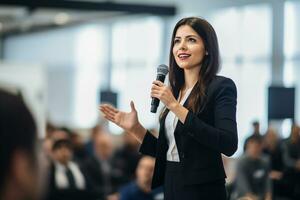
(66, 57)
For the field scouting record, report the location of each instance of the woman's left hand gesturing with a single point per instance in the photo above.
(164, 94)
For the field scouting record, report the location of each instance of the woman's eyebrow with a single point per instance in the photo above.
(187, 36)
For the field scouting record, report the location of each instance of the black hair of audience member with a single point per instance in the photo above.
(17, 133)
(255, 123)
(67, 130)
(258, 140)
(62, 143)
(255, 134)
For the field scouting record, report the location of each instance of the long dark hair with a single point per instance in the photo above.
(209, 66)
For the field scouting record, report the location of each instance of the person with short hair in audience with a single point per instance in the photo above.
(140, 189)
(89, 145)
(126, 158)
(67, 180)
(60, 134)
(99, 168)
(252, 177)
(256, 133)
(79, 151)
(18, 158)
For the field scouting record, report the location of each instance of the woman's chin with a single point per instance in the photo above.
(183, 65)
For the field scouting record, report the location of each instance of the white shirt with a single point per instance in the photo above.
(61, 180)
(170, 125)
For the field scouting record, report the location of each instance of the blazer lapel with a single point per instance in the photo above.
(162, 132)
(179, 127)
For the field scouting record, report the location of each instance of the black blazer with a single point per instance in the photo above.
(53, 193)
(201, 139)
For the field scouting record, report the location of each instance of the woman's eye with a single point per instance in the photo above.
(176, 41)
(192, 40)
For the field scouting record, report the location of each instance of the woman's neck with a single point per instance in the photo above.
(191, 77)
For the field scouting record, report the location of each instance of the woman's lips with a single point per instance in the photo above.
(183, 56)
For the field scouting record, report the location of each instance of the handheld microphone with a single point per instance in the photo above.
(162, 71)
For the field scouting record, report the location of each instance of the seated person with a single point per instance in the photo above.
(252, 177)
(66, 178)
(140, 189)
(126, 158)
(99, 169)
(291, 158)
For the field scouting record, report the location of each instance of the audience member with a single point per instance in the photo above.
(255, 133)
(79, 151)
(291, 157)
(66, 180)
(272, 148)
(99, 168)
(252, 173)
(140, 189)
(126, 158)
(89, 146)
(18, 159)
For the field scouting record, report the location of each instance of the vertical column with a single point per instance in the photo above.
(107, 75)
(277, 42)
(277, 51)
(166, 39)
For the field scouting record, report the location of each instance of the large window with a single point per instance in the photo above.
(136, 53)
(244, 35)
(91, 58)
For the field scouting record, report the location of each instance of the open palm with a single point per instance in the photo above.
(125, 120)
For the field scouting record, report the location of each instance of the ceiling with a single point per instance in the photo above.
(19, 16)
(22, 16)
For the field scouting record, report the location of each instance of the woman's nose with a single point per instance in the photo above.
(182, 46)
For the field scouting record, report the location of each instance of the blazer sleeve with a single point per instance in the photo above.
(148, 146)
(222, 136)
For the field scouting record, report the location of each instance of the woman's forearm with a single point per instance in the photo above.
(138, 132)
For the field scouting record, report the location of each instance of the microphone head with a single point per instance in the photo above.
(162, 69)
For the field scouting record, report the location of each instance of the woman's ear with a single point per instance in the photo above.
(23, 173)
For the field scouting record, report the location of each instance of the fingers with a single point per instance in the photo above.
(155, 87)
(109, 108)
(158, 89)
(156, 94)
(158, 83)
(113, 109)
(132, 106)
(108, 111)
(109, 118)
(107, 114)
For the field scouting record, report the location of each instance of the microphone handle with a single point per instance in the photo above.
(155, 101)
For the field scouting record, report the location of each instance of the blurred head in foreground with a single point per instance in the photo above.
(18, 162)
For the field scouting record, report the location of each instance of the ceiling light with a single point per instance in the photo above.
(61, 18)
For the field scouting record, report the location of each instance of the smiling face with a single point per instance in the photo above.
(188, 49)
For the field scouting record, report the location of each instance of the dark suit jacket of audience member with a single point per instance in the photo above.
(291, 178)
(96, 177)
(201, 139)
(54, 193)
(125, 160)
